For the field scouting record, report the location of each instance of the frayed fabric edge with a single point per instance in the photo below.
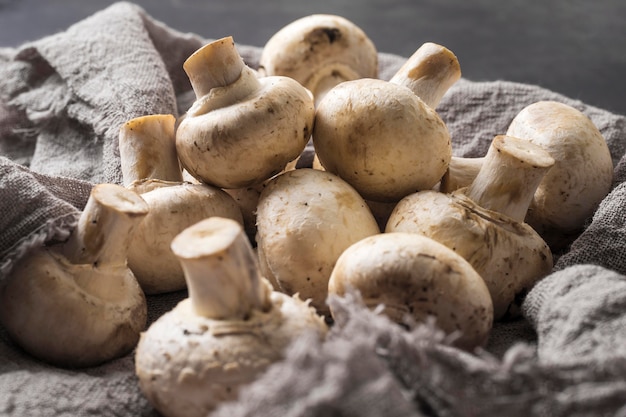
(57, 228)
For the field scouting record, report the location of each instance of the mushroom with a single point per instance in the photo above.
(413, 278)
(581, 177)
(150, 167)
(305, 219)
(484, 222)
(77, 304)
(229, 330)
(320, 51)
(241, 130)
(572, 190)
(380, 136)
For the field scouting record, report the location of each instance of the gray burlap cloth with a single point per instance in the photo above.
(62, 101)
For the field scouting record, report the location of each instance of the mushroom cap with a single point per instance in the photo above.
(250, 140)
(305, 219)
(173, 207)
(583, 171)
(188, 364)
(320, 48)
(381, 139)
(510, 256)
(412, 275)
(72, 315)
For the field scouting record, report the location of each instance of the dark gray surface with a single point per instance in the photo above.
(574, 47)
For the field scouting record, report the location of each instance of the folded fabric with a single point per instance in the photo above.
(62, 101)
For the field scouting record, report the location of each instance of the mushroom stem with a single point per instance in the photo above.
(148, 149)
(221, 270)
(461, 172)
(429, 73)
(216, 64)
(330, 78)
(103, 232)
(509, 176)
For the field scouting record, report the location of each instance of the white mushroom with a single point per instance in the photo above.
(150, 167)
(414, 278)
(571, 191)
(305, 219)
(484, 223)
(77, 304)
(226, 333)
(320, 51)
(581, 177)
(380, 137)
(241, 130)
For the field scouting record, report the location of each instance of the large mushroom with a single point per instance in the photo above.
(484, 222)
(413, 278)
(571, 191)
(320, 51)
(229, 330)
(77, 304)
(150, 167)
(380, 136)
(305, 219)
(242, 129)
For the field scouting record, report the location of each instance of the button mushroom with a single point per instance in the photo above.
(484, 223)
(226, 333)
(77, 304)
(571, 191)
(581, 177)
(415, 277)
(241, 130)
(383, 139)
(320, 51)
(150, 167)
(305, 219)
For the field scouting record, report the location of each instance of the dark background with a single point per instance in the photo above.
(574, 47)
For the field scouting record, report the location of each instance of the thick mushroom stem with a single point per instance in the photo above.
(461, 172)
(219, 77)
(221, 270)
(509, 176)
(216, 64)
(429, 73)
(103, 232)
(148, 149)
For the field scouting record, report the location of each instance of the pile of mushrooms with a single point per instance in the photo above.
(385, 210)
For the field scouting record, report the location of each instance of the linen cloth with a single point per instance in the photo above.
(62, 101)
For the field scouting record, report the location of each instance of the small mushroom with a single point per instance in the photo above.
(380, 136)
(305, 219)
(77, 304)
(320, 51)
(150, 167)
(572, 190)
(229, 330)
(241, 130)
(484, 222)
(415, 277)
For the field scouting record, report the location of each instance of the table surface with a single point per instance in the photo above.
(574, 47)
